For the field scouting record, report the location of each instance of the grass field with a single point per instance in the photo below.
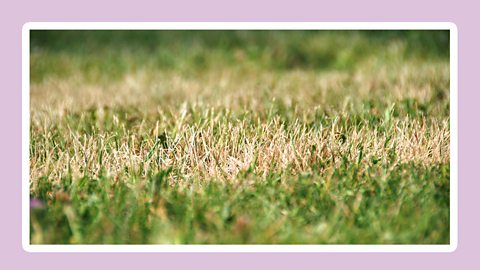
(217, 137)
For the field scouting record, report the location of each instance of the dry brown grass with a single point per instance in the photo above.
(239, 89)
(238, 130)
(273, 148)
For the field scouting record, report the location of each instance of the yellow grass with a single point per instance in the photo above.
(221, 150)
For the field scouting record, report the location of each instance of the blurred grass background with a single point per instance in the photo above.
(113, 53)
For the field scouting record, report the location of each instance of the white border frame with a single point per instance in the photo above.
(236, 26)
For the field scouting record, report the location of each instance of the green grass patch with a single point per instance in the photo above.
(402, 204)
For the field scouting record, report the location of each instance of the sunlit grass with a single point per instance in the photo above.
(244, 138)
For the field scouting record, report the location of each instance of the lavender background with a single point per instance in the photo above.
(13, 14)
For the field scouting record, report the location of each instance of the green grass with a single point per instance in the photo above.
(405, 204)
(222, 137)
(107, 55)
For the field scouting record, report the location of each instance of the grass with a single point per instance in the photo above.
(203, 137)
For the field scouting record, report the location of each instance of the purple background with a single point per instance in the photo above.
(13, 14)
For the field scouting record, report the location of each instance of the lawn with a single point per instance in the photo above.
(239, 137)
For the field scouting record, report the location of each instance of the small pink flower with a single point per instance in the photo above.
(36, 203)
